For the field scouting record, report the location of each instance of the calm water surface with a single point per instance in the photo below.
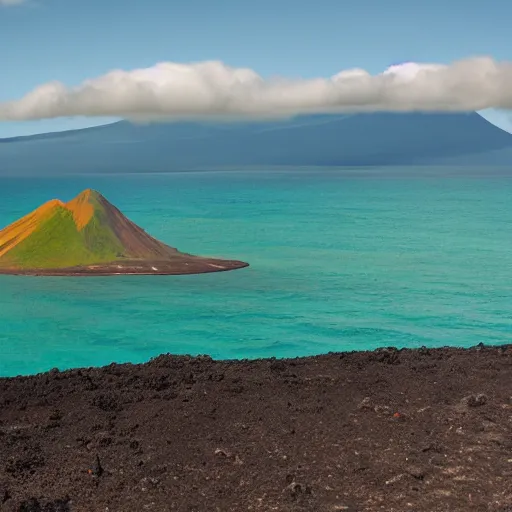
(338, 262)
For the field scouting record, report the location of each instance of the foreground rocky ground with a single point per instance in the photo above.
(422, 430)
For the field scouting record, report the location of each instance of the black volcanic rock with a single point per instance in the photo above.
(304, 435)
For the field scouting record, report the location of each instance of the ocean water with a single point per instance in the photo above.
(339, 261)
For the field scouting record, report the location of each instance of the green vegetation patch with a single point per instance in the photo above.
(57, 243)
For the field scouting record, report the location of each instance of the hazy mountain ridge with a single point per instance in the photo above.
(376, 139)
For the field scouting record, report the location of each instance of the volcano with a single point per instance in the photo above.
(384, 139)
(90, 236)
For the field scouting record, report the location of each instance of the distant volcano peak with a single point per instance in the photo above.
(83, 206)
(87, 195)
(88, 235)
(50, 205)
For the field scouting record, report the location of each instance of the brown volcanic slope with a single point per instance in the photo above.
(90, 236)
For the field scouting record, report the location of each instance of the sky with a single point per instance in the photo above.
(44, 41)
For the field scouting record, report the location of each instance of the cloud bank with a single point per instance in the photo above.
(212, 89)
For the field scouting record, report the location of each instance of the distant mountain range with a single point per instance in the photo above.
(376, 139)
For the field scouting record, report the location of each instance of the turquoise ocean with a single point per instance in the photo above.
(340, 260)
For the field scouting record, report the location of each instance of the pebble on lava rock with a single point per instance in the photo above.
(475, 400)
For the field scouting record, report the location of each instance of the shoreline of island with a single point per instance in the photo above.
(188, 265)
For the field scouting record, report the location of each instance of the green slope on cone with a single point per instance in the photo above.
(86, 231)
(58, 243)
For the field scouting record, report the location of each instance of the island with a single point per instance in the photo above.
(89, 236)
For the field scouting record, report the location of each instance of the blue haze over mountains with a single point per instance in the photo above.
(376, 139)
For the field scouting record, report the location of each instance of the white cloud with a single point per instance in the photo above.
(212, 89)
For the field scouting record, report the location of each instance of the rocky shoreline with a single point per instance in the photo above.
(182, 265)
(390, 430)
